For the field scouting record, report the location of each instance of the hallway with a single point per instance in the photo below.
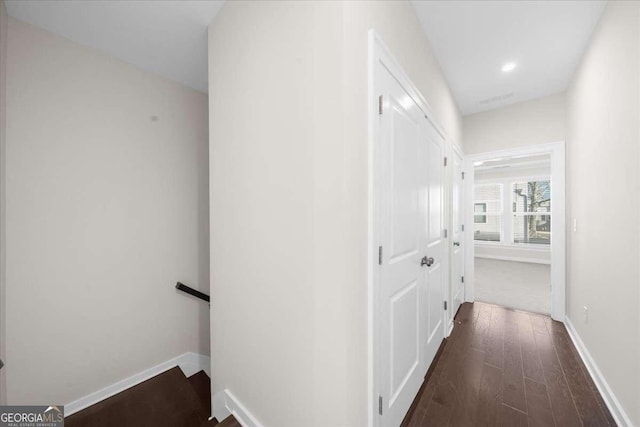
(508, 368)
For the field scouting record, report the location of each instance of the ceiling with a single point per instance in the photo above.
(472, 40)
(168, 38)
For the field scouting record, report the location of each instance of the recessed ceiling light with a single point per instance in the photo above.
(509, 66)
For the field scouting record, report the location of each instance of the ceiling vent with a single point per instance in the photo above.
(497, 98)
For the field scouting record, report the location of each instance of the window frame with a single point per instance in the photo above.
(499, 214)
(506, 227)
(479, 213)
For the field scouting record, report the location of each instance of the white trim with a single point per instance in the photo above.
(558, 220)
(525, 177)
(372, 419)
(515, 259)
(190, 363)
(449, 327)
(529, 247)
(469, 242)
(226, 403)
(455, 149)
(618, 413)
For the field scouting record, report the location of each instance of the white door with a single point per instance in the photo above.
(457, 235)
(436, 252)
(409, 222)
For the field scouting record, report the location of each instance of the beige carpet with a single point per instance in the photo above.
(520, 285)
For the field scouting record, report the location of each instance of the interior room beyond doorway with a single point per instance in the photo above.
(512, 232)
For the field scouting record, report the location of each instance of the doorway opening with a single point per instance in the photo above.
(516, 217)
(512, 232)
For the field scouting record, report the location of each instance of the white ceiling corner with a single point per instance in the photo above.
(168, 38)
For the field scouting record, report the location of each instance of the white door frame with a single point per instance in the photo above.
(454, 149)
(380, 53)
(558, 219)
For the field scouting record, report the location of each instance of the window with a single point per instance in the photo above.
(531, 208)
(480, 208)
(513, 211)
(488, 213)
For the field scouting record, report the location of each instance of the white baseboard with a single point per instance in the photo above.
(515, 258)
(618, 413)
(225, 404)
(190, 363)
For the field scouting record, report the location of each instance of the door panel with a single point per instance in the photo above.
(402, 183)
(405, 340)
(404, 193)
(409, 210)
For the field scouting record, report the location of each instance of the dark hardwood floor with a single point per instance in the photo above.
(503, 367)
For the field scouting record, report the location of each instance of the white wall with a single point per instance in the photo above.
(261, 162)
(288, 153)
(527, 123)
(541, 255)
(3, 131)
(106, 210)
(603, 147)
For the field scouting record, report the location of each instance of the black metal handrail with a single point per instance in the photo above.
(184, 288)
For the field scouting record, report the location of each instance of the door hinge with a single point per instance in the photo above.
(462, 227)
(462, 279)
(380, 104)
(380, 404)
(445, 305)
(462, 172)
(446, 233)
(379, 255)
(445, 161)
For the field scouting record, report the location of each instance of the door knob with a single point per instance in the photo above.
(456, 243)
(426, 261)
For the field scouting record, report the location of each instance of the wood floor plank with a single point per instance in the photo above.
(230, 421)
(538, 405)
(489, 396)
(437, 415)
(445, 395)
(510, 417)
(538, 324)
(481, 328)
(459, 344)
(562, 404)
(513, 380)
(495, 338)
(467, 388)
(531, 364)
(418, 415)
